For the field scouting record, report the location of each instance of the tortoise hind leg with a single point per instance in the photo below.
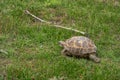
(94, 58)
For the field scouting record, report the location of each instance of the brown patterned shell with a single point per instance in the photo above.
(79, 45)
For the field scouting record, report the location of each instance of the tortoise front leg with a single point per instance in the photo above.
(65, 52)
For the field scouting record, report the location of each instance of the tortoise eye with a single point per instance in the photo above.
(65, 51)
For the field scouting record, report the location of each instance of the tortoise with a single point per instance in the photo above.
(80, 46)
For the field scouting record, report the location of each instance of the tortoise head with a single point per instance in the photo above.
(62, 43)
(94, 58)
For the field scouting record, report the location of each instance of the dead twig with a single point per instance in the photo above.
(3, 51)
(27, 12)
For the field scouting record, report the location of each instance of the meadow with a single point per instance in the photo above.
(32, 48)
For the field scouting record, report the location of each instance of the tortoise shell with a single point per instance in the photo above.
(79, 45)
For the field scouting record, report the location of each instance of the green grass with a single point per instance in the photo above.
(33, 49)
